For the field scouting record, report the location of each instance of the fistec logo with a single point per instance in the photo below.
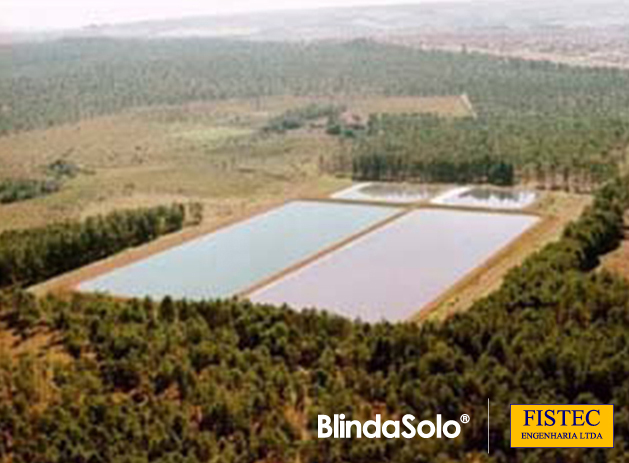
(585, 426)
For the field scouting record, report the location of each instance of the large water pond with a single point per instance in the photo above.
(487, 197)
(392, 273)
(400, 193)
(233, 259)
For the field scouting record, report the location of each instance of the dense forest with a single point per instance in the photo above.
(560, 153)
(228, 381)
(563, 127)
(34, 255)
(83, 78)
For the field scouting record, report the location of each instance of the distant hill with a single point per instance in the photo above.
(374, 21)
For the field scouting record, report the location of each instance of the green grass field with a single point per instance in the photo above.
(209, 152)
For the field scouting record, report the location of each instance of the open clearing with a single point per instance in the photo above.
(618, 261)
(145, 158)
(451, 106)
(208, 152)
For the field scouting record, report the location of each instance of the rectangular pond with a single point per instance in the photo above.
(399, 193)
(487, 197)
(392, 273)
(223, 263)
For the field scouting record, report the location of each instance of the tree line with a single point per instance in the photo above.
(230, 381)
(33, 255)
(571, 154)
(294, 119)
(15, 190)
(83, 78)
(560, 126)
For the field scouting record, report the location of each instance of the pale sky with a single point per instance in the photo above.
(58, 14)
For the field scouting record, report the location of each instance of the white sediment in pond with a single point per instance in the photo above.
(398, 193)
(487, 197)
(447, 195)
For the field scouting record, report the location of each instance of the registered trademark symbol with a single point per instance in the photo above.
(465, 419)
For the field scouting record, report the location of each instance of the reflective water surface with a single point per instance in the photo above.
(226, 262)
(392, 273)
(389, 192)
(486, 197)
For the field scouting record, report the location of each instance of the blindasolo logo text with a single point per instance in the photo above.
(338, 427)
(585, 426)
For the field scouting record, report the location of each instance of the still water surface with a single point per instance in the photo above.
(401, 193)
(226, 262)
(392, 273)
(494, 198)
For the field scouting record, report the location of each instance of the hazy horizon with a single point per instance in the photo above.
(38, 15)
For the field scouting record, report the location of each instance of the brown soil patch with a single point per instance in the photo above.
(41, 343)
(618, 261)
